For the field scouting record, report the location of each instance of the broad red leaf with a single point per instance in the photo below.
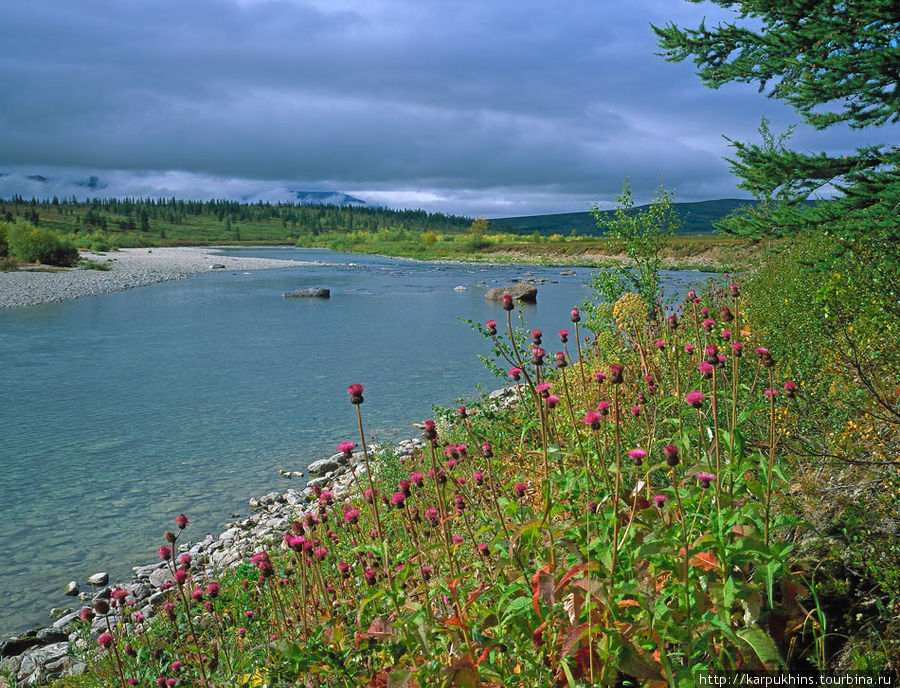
(542, 586)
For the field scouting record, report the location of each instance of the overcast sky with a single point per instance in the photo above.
(489, 107)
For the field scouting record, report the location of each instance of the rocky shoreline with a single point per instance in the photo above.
(45, 654)
(128, 268)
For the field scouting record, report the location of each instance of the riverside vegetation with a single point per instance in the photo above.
(104, 225)
(643, 512)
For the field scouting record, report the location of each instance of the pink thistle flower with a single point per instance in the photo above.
(213, 589)
(708, 324)
(242, 631)
(705, 479)
(370, 575)
(181, 521)
(660, 344)
(416, 478)
(491, 326)
(119, 593)
(737, 349)
(615, 373)
(600, 377)
(561, 359)
(355, 391)
(351, 516)
(426, 572)
(771, 393)
(576, 316)
(398, 500)
(726, 335)
(478, 477)
(520, 489)
(181, 576)
(196, 594)
(712, 353)
(635, 411)
(346, 448)
(659, 500)
(790, 389)
(508, 304)
(673, 321)
(484, 549)
(735, 290)
(592, 418)
(689, 349)
(515, 373)
(430, 430)
(694, 398)
(344, 569)
(105, 640)
(552, 401)
(185, 559)
(704, 311)
(248, 614)
(486, 450)
(706, 370)
(86, 614)
(762, 351)
(603, 408)
(319, 553)
(457, 539)
(727, 315)
(537, 356)
(370, 493)
(536, 336)
(638, 456)
(543, 389)
(165, 552)
(431, 515)
(404, 487)
(563, 336)
(671, 452)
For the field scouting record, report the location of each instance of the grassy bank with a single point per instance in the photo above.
(633, 517)
(110, 224)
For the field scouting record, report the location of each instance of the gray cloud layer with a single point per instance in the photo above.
(493, 108)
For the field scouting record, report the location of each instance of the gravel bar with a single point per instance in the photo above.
(130, 267)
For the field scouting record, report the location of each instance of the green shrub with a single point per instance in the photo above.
(4, 244)
(32, 244)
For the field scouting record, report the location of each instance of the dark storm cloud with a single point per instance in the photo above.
(480, 107)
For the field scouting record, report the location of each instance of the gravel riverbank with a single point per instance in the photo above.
(129, 267)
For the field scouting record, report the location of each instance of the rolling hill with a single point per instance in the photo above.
(697, 217)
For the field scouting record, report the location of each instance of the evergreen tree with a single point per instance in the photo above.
(833, 62)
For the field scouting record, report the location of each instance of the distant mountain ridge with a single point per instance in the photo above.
(44, 185)
(697, 218)
(327, 198)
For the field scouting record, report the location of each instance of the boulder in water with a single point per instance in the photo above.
(520, 292)
(309, 293)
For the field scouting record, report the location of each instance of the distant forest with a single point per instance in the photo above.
(219, 220)
(147, 222)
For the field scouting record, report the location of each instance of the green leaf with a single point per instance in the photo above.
(762, 646)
